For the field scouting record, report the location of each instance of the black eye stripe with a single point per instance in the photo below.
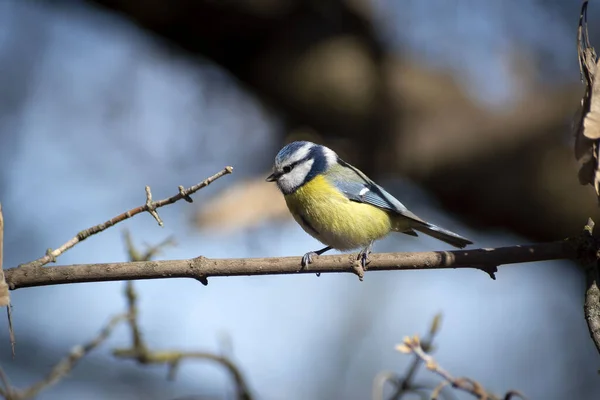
(290, 167)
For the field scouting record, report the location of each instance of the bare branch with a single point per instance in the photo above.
(173, 358)
(412, 345)
(140, 352)
(405, 385)
(427, 344)
(6, 390)
(63, 367)
(149, 207)
(4, 294)
(130, 294)
(201, 268)
(592, 299)
(591, 263)
(11, 330)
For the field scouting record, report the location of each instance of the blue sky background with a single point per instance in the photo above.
(91, 111)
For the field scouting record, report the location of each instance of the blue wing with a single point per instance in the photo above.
(364, 190)
(356, 186)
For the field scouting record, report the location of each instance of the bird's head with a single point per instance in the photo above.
(298, 163)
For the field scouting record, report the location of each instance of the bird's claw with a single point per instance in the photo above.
(363, 257)
(308, 258)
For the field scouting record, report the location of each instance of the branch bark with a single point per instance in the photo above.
(592, 300)
(201, 268)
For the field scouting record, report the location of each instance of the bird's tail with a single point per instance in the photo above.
(441, 234)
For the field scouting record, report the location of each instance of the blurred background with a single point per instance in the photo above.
(461, 108)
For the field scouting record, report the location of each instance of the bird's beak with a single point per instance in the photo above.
(272, 178)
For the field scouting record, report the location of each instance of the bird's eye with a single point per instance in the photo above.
(287, 169)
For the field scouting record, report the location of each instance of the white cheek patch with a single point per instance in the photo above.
(330, 156)
(289, 182)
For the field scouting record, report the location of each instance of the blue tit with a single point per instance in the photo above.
(340, 206)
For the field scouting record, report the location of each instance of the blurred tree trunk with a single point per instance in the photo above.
(319, 64)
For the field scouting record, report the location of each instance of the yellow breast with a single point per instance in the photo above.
(328, 216)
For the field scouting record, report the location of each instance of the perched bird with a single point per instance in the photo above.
(339, 205)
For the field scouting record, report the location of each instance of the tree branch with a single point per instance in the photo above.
(201, 268)
(149, 207)
(172, 358)
(4, 294)
(412, 345)
(63, 367)
(590, 307)
(404, 385)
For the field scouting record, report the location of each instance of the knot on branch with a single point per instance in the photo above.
(196, 266)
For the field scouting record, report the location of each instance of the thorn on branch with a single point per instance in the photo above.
(358, 270)
(199, 262)
(490, 270)
(185, 195)
(151, 206)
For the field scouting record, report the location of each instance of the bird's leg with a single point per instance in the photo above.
(307, 258)
(363, 256)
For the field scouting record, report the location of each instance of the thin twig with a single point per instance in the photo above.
(4, 293)
(63, 367)
(11, 330)
(379, 382)
(149, 207)
(201, 268)
(173, 358)
(130, 294)
(6, 390)
(412, 345)
(427, 343)
(142, 354)
(404, 385)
